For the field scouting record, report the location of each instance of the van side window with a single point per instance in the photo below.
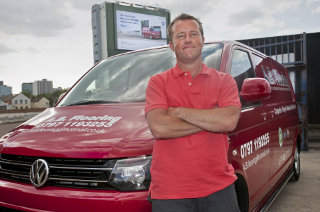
(241, 69)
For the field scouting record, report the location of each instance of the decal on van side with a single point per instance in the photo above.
(276, 79)
(283, 134)
(280, 136)
(246, 165)
(247, 148)
(284, 109)
(284, 157)
(77, 123)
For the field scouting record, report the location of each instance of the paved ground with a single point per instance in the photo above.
(302, 196)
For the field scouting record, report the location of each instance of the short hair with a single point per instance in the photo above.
(183, 16)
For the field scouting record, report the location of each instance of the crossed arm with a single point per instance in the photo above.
(179, 121)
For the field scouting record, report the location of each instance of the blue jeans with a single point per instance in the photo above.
(224, 201)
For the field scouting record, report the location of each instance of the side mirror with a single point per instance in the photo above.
(255, 89)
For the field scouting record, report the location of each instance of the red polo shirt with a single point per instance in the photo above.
(196, 165)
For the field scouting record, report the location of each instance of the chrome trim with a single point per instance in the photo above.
(78, 180)
(80, 168)
(14, 173)
(15, 163)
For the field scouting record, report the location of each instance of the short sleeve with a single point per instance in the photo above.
(229, 95)
(156, 96)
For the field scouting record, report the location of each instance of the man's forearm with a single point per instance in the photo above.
(165, 126)
(214, 120)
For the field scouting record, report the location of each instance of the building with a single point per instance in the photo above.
(40, 102)
(5, 102)
(42, 87)
(299, 53)
(27, 86)
(3, 105)
(20, 101)
(4, 89)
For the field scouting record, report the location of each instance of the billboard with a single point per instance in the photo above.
(138, 31)
(120, 27)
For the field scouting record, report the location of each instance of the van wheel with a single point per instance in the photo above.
(296, 166)
(242, 194)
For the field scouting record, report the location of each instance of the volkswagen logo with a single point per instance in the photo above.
(39, 173)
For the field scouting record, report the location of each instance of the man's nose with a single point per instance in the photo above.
(187, 38)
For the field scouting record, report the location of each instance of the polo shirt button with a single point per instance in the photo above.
(190, 83)
(185, 74)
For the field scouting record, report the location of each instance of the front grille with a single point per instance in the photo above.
(63, 172)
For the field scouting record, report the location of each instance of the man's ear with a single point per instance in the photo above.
(203, 40)
(171, 45)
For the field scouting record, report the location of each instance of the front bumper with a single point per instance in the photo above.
(28, 198)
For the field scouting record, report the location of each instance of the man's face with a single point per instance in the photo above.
(186, 41)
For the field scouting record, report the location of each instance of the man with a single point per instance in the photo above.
(189, 108)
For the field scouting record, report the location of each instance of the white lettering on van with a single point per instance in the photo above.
(80, 121)
(284, 109)
(284, 157)
(276, 79)
(246, 165)
(261, 141)
(247, 149)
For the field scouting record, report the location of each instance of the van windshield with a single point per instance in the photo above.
(124, 78)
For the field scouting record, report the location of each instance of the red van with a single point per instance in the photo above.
(92, 151)
(151, 32)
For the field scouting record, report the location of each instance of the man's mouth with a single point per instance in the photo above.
(188, 47)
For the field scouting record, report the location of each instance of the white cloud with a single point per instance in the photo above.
(52, 38)
(39, 18)
(312, 1)
(316, 10)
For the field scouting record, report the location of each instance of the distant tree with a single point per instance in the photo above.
(57, 94)
(27, 94)
(52, 97)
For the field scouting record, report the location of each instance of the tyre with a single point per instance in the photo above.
(242, 194)
(296, 165)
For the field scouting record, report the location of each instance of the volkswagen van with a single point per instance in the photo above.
(93, 150)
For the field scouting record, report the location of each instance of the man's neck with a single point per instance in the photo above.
(193, 68)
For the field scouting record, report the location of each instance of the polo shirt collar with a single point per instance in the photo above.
(205, 70)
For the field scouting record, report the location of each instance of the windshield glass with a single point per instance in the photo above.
(124, 78)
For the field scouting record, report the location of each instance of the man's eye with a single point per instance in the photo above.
(180, 36)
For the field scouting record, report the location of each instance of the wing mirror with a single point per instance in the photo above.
(255, 89)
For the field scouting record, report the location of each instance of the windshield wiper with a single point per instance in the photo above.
(89, 102)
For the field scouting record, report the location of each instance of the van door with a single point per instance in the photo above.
(252, 132)
(284, 121)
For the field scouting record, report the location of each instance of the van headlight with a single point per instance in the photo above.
(131, 174)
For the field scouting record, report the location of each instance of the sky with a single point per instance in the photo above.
(52, 39)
